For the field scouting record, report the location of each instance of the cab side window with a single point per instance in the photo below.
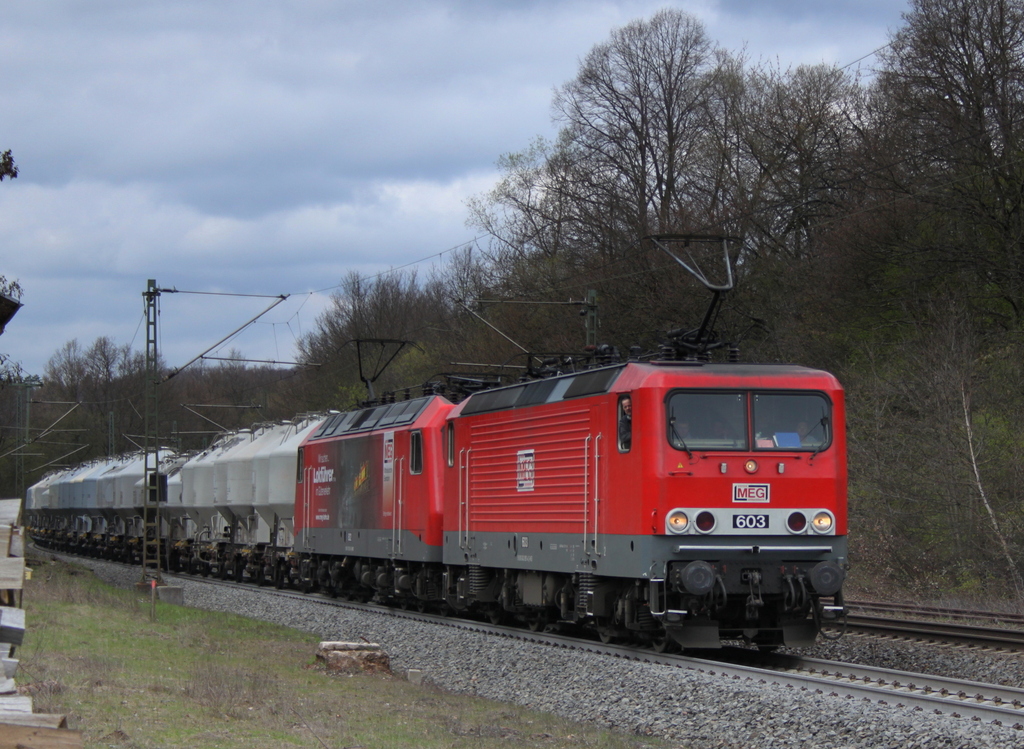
(625, 423)
(415, 452)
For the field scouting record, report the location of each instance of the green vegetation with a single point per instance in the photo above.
(200, 679)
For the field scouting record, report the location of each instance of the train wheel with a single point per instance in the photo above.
(536, 622)
(663, 644)
(606, 635)
(496, 614)
(279, 577)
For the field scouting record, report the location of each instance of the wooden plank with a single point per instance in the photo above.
(27, 737)
(9, 667)
(19, 704)
(12, 573)
(5, 540)
(18, 543)
(10, 511)
(39, 720)
(12, 625)
(7, 686)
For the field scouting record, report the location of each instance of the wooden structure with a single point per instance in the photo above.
(19, 726)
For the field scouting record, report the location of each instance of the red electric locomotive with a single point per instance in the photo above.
(368, 500)
(693, 501)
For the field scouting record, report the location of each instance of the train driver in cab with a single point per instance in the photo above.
(625, 423)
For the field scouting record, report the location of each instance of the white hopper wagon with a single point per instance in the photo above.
(241, 484)
(197, 478)
(124, 478)
(237, 510)
(282, 469)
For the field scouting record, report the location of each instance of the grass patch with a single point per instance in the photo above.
(204, 679)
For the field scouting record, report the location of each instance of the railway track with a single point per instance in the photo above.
(948, 632)
(938, 612)
(920, 692)
(891, 620)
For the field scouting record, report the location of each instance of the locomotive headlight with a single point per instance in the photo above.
(750, 466)
(676, 522)
(822, 522)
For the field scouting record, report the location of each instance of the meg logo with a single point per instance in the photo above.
(751, 493)
(524, 470)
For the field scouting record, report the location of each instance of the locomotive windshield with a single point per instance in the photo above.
(793, 421)
(719, 421)
(708, 421)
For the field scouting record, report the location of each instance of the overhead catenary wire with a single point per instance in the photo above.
(278, 299)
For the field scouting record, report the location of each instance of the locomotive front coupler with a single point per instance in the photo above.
(754, 601)
(836, 610)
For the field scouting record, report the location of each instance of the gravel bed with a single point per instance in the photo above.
(687, 708)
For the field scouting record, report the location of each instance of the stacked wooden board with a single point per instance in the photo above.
(19, 726)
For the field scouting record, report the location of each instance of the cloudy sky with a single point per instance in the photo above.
(269, 147)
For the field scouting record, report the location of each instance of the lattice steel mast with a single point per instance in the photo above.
(153, 482)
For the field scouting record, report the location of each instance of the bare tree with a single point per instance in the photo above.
(636, 113)
(389, 306)
(797, 135)
(951, 93)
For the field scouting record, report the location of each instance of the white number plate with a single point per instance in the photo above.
(750, 521)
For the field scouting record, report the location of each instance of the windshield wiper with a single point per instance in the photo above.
(672, 423)
(824, 437)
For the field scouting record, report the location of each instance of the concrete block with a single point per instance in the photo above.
(171, 594)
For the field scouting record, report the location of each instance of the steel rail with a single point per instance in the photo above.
(962, 634)
(942, 612)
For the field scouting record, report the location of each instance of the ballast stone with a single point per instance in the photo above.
(353, 657)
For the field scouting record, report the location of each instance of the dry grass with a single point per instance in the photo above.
(202, 679)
